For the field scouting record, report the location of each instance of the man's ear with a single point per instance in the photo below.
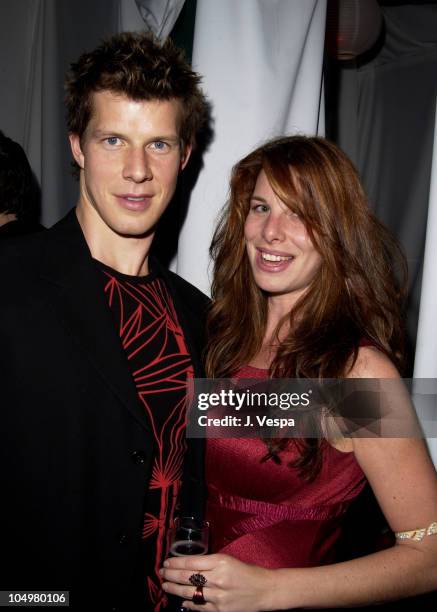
(76, 149)
(186, 152)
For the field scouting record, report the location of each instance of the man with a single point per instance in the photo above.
(18, 194)
(98, 343)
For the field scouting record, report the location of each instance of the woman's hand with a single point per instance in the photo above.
(231, 586)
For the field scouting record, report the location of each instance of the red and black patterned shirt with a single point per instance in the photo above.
(153, 341)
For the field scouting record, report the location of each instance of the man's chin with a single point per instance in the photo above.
(135, 232)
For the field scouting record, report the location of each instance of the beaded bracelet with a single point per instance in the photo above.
(417, 534)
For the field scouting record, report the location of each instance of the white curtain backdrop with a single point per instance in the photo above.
(262, 67)
(425, 365)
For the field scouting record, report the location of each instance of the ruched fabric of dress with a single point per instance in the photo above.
(265, 513)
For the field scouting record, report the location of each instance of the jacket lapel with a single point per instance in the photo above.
(77, 295)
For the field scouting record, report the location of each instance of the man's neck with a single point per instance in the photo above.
(128, 255)
(7, 218)
(125, 258)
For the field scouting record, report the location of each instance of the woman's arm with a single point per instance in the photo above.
(405, 484)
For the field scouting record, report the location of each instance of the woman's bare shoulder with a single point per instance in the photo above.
(372, 363)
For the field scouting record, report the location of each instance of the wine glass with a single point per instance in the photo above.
(188, 536)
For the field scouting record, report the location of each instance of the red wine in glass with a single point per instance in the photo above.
(188, 536)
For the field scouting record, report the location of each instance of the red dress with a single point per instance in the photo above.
(264, 513)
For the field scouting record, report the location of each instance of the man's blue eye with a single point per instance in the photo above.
(160, 145)
(112, 140)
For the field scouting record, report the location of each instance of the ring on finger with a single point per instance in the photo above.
(197, 579)
(198, 597)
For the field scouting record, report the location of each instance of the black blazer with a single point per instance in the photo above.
(75, 448)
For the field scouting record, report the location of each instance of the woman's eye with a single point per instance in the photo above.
(261, 208)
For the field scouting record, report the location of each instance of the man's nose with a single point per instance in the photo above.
(137, 165)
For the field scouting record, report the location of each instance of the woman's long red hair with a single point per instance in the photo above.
(357, 293)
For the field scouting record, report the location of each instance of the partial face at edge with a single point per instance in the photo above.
(281, 254)
(130, 156)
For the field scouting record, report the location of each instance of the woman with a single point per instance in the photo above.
(303, 288)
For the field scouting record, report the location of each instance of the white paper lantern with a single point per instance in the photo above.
(352, 27)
